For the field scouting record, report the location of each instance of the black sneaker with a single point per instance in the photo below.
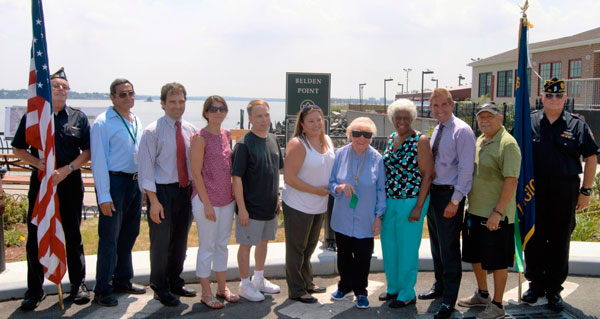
(31, 302)
(80, 295)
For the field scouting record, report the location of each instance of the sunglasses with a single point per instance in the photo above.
(60, 86)
(215, 109)
(307, 108)
(125, 94)
(365, 134)
(554, 95)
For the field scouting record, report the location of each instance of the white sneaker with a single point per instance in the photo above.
(263, 285)
(249, 292)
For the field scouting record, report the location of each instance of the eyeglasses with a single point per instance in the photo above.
(365, 134)
(307, 108)
(215, 109)
(125, 94)
(554, 95)
(58, 86)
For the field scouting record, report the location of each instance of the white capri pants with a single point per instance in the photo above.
(213, 237)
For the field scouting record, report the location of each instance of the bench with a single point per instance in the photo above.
(13, 163)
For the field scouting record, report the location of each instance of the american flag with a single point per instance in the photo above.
(39, 133)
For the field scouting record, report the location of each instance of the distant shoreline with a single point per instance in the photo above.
(22, 94)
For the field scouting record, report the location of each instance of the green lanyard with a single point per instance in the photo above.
(134, 124)
(359, 168)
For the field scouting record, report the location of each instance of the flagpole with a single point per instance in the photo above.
(518, 242)
(60, 297)
(520, 290)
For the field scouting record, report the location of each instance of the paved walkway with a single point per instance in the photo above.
(580, 292)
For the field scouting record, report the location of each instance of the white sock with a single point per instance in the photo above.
(260, 274)
(246, 281)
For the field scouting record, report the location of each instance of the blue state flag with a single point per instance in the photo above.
(525, 214)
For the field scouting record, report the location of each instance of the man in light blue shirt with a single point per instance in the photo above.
(115, 139)
(453, 147)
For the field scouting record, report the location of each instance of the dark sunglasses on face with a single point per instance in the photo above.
(554, 95)
(310, 107)
(365, 134)
(125, 94)
(215, 109)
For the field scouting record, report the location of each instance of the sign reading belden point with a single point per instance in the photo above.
(307, 89)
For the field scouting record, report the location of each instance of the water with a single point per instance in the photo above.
(148, 112)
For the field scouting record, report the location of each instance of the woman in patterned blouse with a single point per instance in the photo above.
(408, 162)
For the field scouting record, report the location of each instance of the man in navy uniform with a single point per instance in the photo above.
(72, 147)
(560, 139)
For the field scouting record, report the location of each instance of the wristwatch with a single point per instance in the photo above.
(71, 167)
(586, 191)
(454, 202)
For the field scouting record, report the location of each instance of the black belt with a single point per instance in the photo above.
(133, 176)
(176, 184)
(435, 187)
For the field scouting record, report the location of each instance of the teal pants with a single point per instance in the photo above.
(400, 242)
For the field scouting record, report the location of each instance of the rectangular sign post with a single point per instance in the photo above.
(307, 89)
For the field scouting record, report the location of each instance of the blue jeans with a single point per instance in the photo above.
(117, 235)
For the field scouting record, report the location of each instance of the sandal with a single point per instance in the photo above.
(227, 295)
(212, 302)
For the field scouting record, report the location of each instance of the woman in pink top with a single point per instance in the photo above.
(212, 200)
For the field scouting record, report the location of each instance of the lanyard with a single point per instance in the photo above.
(358, 166)
(134, 124)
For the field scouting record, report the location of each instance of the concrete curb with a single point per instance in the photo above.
(584, 260)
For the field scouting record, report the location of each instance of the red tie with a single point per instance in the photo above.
(182, 171)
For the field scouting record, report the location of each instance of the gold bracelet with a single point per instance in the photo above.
(498, 212)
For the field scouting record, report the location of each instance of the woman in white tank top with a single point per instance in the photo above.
(308, 163)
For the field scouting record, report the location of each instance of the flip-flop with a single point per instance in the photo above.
(212, 302)
(227, 295)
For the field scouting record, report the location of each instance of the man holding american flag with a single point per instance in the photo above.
(72, 147)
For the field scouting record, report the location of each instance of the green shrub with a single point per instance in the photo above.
(13, 237)
(15, 212)
(587, 227)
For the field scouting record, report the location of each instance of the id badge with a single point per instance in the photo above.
(353, 201)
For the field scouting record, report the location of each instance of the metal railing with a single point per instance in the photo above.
(586, 92)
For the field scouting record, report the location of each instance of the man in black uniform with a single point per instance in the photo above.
(560, 138)
(72, 149)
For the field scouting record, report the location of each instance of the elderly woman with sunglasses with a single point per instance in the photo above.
(308, 163)
(408, 162)
(358, 184)
(212, 200)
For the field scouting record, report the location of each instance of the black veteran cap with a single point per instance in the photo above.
(60, 74)
(554, 86)
(488, 107)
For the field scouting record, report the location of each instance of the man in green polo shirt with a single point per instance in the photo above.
(488, 230)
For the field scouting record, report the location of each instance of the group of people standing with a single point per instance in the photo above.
(188, 174)
(181, 173)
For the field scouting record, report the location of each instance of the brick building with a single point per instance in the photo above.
(574, 58)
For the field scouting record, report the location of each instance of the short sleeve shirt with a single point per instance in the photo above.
(557, 147)
(257, 161)
(71, 135)
(495, 160)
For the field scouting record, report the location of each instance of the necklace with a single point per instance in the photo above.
(358, 166)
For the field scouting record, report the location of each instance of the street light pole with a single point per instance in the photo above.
(360, 93)
(401, 88)
(384, 92)
(422, 84)
(460, 78)
(436, 82)
(407, 70)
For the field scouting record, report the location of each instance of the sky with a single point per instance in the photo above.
(244, 48)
